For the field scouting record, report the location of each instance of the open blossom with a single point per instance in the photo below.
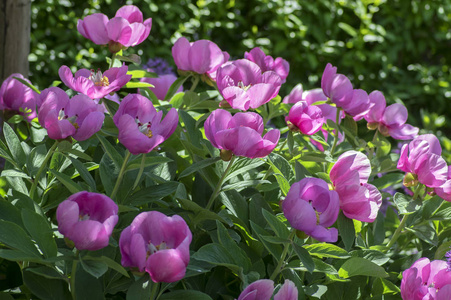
(340, 91)
(94, 84)
(140, 126)
(158, 245)
(288, 291)
(310, 207)
(17, 97)
(201, 57)
(358, 199)
(426, 279)
(422, 159)
(243, 85)
(263, 289)
(308, 119)
(444, 191)
(240, 134)
(87, 219)
(268, 63)
(126, 29)
(161, 84)
(389, 120)
(78, 117)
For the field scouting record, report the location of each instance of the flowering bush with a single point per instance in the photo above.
(178, 191)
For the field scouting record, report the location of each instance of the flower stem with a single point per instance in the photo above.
(140, 172)
(72, 276)
(41, 169)
(154, 292)
(283, 145)
(219, 185)
(121, 175)
(113, 58)
(337, 120)
(403, 221)
(283, 256)
(195, 82)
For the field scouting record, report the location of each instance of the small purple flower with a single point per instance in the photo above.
(268, 63)
(159, 66)
(310, 207)
(78, 117)
(258, 290)
(308, 119)
(94, 84)
(140, 126)
(87, 219)
(448, 260)
(17, 97)
(161, 84)
(243, 85)
(125, 30)
(158, 245)
(426, 280)
(422, 160)
(201, 57)
(358, 199)
(240, 134)
(391, 120)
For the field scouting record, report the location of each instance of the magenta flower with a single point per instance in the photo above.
(17, 97)
(240, 134)
(126, 29)
(87, 219)
(93, 84)
(422, 158)
(391, 120)
(161, 84)
(340, 91)
(258, 290)
(158, 245)
(268, 63)
(288, 291)
(243, 85)
(308, 119)
(201, 57)
(310, 207)
(78, 117)
(444, 191)
(358, 199)
(426, 280)
(140, 126)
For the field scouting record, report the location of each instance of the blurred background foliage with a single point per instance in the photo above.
(400, 47)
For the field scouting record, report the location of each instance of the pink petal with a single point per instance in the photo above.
(93, 27)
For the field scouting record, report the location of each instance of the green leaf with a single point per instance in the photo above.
(406, 205)
(14, 173)
(198, 166)
(19, 255)
(382, 286)
(137, 84)
(15, 237)
(304, 256)
(278, 226)
(28, 84)
(109, 262)
(359, 266)
(14, 145)
(322, 250)
(35, 159)
(239, 256)
(84, 173)
(238, 186)
(347, 231)
(185, 295)
(45, 288)
(46, 272)
(281, 180)
(153, 193)
(177, 100)
(140, 289)
(111, 151)
(41, 232)
(9, 212)
(142, 74)
(217, 255)
(242, 165)
(67, 182)
(149, 161)
(80, 154)
(94, 267)
(174, 87)
(275, 250)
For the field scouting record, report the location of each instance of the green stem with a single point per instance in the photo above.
(140, 173)
(195, 82)
(121, 175)
(403, 221)
(337, 120)
(154, 292)
(72, 276)
(113, 58)
(283, 256)
(219, 185)
(283, 145)
(41, 169)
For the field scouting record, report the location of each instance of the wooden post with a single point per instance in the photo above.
(15, 24)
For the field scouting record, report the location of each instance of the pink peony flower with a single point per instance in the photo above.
(126, 29)
(422, 158)
(201, 57)
(161, 84)
(310, 207)
(391, 120)
(93, 84)
(240, 134)
(258, 290)
(444, 191)
(87, 219)
(140, 126)
(78, 117)
(158, 245)
(358, 199)
(17, 97)
(244, 86)
(426, 280)
(288, 291)
(308, 119)
(268, 63)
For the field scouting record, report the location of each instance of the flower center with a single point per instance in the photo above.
(83, 217)
(98, 78)
(316, 212)
(242, 86)
(151, 248)
(144, 128)
(62, 116)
